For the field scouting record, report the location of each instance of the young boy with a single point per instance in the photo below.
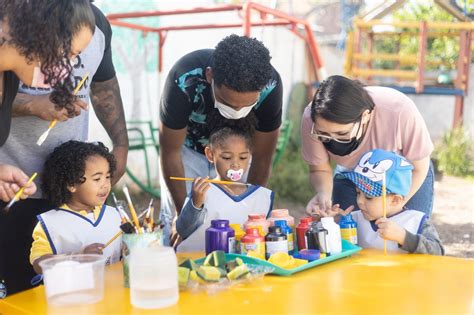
(405, 230)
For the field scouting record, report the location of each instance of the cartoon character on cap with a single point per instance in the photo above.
(369, 171)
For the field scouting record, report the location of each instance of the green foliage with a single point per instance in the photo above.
(443, 49)
(290, 179)
(455, 153)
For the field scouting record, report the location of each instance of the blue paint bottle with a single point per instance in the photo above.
(285, 229)
(348, 229)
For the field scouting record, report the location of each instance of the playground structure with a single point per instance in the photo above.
(143, 134)
(409, 74)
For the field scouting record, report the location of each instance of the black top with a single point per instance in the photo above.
(10, 88)
(187, 99)
(106, 70)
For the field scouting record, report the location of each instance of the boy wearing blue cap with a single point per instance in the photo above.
(404, 229)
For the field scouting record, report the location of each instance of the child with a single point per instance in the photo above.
(405, 230)
(229, 149)
(76, 180)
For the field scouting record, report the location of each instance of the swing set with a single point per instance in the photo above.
(143, 134)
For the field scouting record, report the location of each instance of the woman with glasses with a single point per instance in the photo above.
(344, 121)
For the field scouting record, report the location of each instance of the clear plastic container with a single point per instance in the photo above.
(282, 214)
(74, 279)
(153, 277)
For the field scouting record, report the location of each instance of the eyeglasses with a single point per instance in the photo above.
(323, 138)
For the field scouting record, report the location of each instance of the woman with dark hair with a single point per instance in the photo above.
(345, 120)
(37, 41)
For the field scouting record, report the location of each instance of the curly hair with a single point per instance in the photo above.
(220, 129)
(44, 29)
(242, 64)
(66, 166)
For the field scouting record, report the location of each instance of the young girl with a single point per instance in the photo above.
(229, 149)
(76, 180)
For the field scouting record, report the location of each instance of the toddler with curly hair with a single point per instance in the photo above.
(76, 180)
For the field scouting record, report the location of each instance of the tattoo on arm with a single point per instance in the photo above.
(107, 102)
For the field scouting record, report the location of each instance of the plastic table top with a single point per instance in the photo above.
(368, 282)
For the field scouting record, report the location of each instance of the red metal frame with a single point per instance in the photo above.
(246, 21)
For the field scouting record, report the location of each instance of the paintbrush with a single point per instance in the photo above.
(215, 181)
(132, 209)
(384, 207)
(45, 134)
(113, 239)
(20, 192)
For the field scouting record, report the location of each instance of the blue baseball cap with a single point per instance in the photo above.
(368, 173)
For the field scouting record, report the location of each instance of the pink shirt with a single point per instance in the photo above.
(396, 125)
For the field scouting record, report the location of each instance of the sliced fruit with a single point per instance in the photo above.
(183, 276)
(194, 276)
(209, 260)
(218, 258)
(190, 264)
(238, 272)
(222, 272)
(230, 265)
(209, 273)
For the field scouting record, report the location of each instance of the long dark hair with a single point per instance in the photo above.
(340, 100)
(44, 29)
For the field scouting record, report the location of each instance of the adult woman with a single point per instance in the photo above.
(38, 39)
(345, 120)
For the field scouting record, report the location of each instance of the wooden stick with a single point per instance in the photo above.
(384, 207)
(20, 192)
(215, 181)
(132, 210)
(113, 239)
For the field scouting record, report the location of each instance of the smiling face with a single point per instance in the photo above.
(373, 171)
(96, 187)
(230, 158)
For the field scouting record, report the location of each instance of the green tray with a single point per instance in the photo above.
(347, 250)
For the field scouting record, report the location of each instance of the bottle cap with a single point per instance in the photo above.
(274, 229)
(252, 231)
(306, 220)
(327, 220)
(256, 216)
(281, 223)
(220, 223)
(280, 213)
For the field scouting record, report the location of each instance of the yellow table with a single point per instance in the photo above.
(367, 282)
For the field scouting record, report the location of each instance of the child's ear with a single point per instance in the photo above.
(71, 188)
(396, 200)
(209, 154)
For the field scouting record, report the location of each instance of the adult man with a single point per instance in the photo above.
(32, 111)
(235, 79)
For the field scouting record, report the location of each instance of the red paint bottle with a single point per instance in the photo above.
(301, 229)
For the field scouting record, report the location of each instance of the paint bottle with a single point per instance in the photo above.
(301, 229)
(257, 220)
(239, 233)
(334, 235)
(285, 229)
(281, 214)
(348, 229)
(253, 241)
(317, 238)
(219, 236)
(275, 242)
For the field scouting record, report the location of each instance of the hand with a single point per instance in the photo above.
(390, 230)
(11, 180)
(320, 202)
(200, 187)
(42, 107)
(95, 248)
(334, 211)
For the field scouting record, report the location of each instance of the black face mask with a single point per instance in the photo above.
(342, 149)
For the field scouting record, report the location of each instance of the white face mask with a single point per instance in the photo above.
(228, 112)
